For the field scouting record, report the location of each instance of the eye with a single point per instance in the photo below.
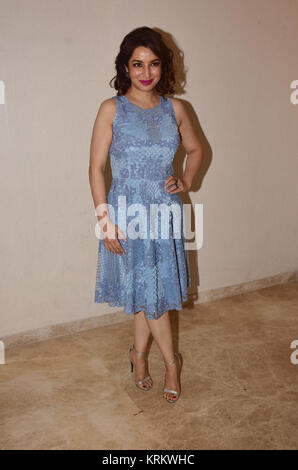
(138, 63)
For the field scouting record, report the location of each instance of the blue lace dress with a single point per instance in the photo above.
(153, 274)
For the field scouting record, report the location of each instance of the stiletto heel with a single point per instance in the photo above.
(140, 382)
(173, 391)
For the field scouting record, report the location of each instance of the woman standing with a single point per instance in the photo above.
(141, 129)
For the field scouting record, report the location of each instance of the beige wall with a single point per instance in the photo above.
(56, 60)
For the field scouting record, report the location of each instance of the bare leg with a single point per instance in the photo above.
(162, 334)
(141, 337)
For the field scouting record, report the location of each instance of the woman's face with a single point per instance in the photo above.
(143, 66)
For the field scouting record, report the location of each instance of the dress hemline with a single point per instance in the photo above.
(138, 309)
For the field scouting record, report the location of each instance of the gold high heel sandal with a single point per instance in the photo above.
(177, 356)
(140, 382)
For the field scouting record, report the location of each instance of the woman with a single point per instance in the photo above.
(141, 130)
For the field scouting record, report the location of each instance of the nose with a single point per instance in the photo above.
(147, 73)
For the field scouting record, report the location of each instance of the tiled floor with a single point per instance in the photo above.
(239, 386)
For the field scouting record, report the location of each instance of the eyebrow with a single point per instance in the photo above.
(137, 60)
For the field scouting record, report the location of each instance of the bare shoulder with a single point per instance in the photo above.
(179, 109)
(107, 110)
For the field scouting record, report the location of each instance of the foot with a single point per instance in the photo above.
(172, 380)
(141, 368)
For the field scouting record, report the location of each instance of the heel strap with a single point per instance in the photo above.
(138, 352)
(172, 362)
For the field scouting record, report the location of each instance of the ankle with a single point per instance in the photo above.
(138, 357)
(170, 361)
(170, 367)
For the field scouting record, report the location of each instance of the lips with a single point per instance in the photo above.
(146, 82)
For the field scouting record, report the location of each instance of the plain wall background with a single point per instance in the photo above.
(56, 60)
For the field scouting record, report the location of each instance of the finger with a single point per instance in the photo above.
(173, 187)
(169, 178)
(117, 247)
(108, 247)
(122, 249)
(169, 181)
(121, 236)
(113, 246)
(173, 191)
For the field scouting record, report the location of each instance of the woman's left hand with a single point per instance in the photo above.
(182, 185)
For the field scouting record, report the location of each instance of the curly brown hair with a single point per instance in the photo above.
(147, 37)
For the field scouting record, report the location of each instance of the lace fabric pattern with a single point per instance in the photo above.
(153, 275)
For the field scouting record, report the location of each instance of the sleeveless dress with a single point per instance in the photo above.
(153, 274)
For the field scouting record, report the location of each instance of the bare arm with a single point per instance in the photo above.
(190, 142)
(100, 143)
(99, 148)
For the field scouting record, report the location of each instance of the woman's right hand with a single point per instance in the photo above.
(110, 236)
